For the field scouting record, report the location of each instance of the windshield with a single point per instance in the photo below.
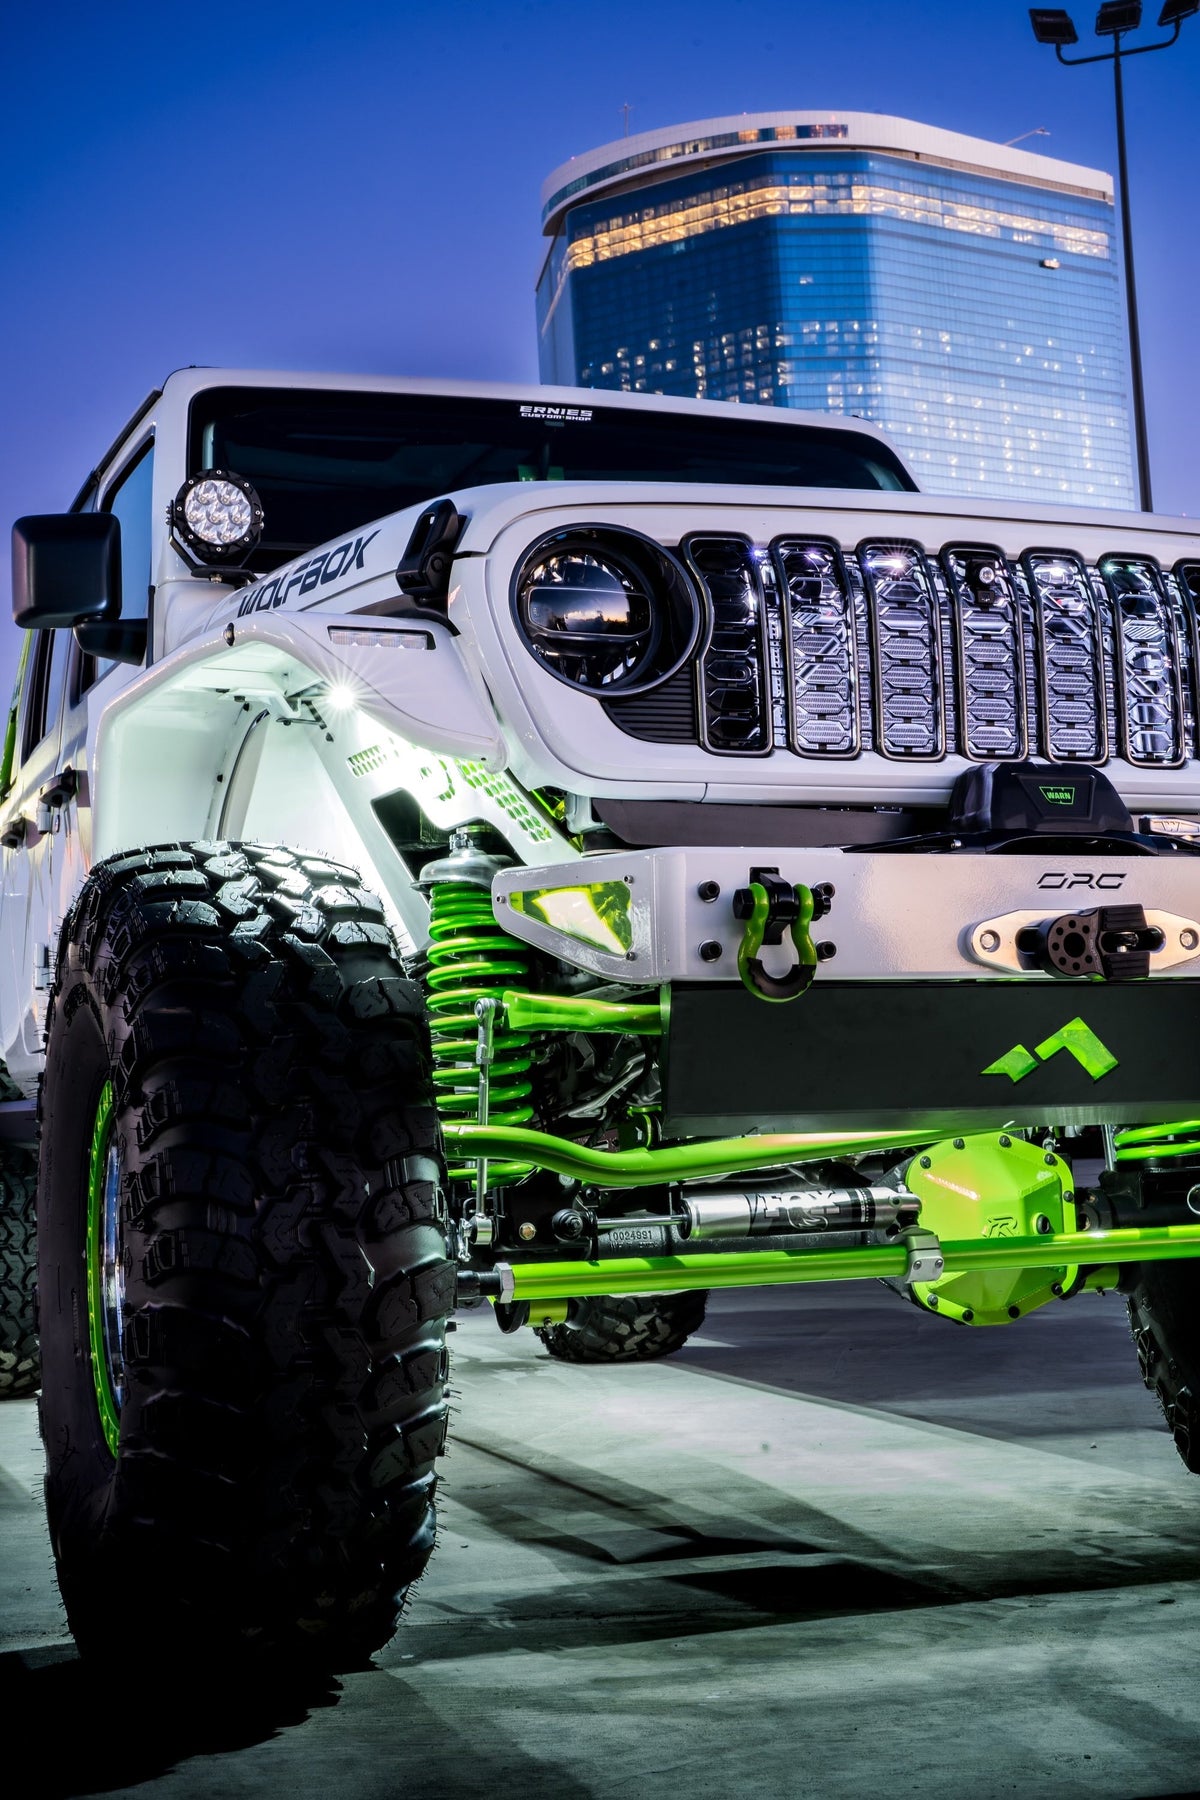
(326, 463)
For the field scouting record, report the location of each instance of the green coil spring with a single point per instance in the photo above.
(472, 959)
(1151, 1142)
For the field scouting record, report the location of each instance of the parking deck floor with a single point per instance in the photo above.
(835, 1548)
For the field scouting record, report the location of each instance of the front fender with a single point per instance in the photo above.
(161, 744)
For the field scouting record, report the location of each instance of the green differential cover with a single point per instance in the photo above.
(985, 1187)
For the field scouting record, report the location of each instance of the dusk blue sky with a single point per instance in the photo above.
(355, 187)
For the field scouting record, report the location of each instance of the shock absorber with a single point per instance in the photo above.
(470, 959)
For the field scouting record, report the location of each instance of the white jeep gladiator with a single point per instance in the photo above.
(563, 852)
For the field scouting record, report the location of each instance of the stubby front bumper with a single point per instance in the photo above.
(667, 915)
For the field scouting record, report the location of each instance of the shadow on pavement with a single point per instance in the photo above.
(114, 1728)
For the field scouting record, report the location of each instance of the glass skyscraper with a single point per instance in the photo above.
(962, 295)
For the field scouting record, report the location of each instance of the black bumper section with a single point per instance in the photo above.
(884, 1053)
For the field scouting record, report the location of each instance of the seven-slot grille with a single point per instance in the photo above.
(826, 654)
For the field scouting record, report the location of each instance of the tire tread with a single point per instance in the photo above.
(272, 1093)
(635, 1328)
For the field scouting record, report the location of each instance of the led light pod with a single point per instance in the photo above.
(216, 518)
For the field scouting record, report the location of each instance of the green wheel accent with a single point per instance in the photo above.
(105, 1284)
(754, 976)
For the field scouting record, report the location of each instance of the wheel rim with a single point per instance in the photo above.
(105, 1270)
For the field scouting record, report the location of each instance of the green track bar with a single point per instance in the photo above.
(670, 1274)
(674, 1162)
(773, 1268)
(1149, 1243)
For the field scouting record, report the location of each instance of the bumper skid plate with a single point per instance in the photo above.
(934, 1057)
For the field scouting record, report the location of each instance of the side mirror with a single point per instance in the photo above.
(66, 568)
(123, 642)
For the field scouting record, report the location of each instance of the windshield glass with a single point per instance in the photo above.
(326, 463)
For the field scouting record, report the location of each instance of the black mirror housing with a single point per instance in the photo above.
(123, 642)
(66, 568)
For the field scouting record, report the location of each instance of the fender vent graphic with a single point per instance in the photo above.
(1075, 1037)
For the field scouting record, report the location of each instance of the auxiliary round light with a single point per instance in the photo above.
(216, 517)
(605, 610)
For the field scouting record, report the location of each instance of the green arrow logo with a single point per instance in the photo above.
(1076, 1037)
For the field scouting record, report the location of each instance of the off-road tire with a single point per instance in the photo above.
(19, 1369)
(634, 1329)
(281, 1214)
(1164, 1317)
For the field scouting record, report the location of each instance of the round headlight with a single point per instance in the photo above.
(216, 517)
(606, 611)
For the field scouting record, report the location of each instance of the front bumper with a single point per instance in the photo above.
(666, 915)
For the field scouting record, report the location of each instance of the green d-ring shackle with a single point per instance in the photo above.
(768, 911)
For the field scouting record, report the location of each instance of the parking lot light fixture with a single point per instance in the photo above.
(1051, 25)
(1118, 15)
(1116, 19)
(1175, 11)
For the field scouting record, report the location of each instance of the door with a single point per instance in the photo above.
(30, 822)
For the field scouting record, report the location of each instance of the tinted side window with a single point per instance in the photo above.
(8, 757)
(46, 685)
(129, 499)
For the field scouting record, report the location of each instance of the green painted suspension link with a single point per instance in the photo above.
(773, 1268)
(562, 1012)
(672, 1162)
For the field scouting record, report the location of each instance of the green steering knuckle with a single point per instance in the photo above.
(765, 986)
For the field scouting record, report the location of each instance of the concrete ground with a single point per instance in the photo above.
(835, 1548)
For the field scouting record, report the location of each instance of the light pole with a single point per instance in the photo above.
(1116, 18)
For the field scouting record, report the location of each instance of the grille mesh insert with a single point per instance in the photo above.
(823, 654)
(989, 652)
(1149, 689)
(1073, 710)
(906, 649)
